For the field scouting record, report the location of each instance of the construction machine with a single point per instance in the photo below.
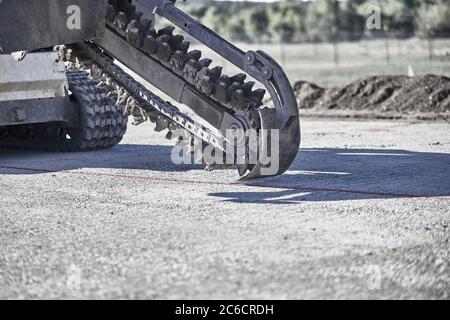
(72, 71)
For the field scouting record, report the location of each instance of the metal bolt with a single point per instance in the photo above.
(250, 58)
(267, 72)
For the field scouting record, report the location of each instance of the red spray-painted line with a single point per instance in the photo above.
(239, 184)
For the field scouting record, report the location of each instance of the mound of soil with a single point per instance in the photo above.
(422, 97)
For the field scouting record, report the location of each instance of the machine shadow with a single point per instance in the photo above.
(316, 174)
(123, 156)
(352, 174)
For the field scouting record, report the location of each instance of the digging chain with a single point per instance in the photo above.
(140, 102)
(172, 51)
(232, 93)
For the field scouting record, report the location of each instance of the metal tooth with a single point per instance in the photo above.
(163, 39)
(236, 96)
(240, 78)
(225, 79)
(248, 86)
(113, 3)
(161, 124)
(132, 34)
(169, 135)
(111, 13)
(127, 8)
(235, 86)
(176, 41)
(120, 20)
(122, 97)
(184, 46)
(190, 70)
(238, 100)
(259, 94)
(215, 73)
(111, 94)
(204, 63)
(137, 16)
(203, 81)
(152, 115)
(177, 61)
(149, 44)
(221, 93)
(194, 55)
(164, 51)
(166, 30)
(152, 32)
(145, 25)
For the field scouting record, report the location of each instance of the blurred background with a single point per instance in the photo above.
(331, 42)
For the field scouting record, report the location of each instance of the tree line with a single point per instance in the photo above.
(322, 20)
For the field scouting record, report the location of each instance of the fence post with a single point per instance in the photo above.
(335, 47)
(386, 43)
(430, 42)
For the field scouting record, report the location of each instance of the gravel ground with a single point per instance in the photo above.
(364, 212)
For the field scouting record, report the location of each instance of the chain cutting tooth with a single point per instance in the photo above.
(166, 31)
(112, 94)
(133, 35)
(206, 78)
(190, 70)
(176, 41)
(137, 16)
(169, 135)
(194, 55)
(247, 87)
(222, 90)
(259, 94)
(178, 61)
(161, 124)
(204, 63)
(149, 45)
(238, 99)
(122, 97)
(215, 73)
(128, 8)
(234, 87)
(120, 21)
(113, 3)
(164, 51)
(184, 46)
(111, 13)
(239, 78)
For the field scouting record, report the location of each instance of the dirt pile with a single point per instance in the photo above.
(422, 97)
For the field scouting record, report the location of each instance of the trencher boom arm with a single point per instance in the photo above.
(284, 116)
(124, 31)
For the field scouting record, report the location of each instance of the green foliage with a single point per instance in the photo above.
(319, 20)
(433, 19)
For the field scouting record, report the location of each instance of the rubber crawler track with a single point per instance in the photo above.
(102, 123)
